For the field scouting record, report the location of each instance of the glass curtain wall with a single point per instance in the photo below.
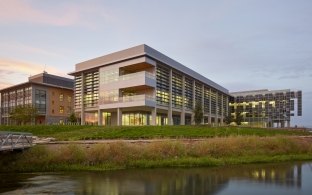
(176, 90)
(77, 92)
(213, 102)
(198, 93)
(206, 100)
(188, 86)
(91, 89)
(136, 119)
(162, 85)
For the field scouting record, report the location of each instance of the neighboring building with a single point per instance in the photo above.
(266, 108)
(141, 86)
(51, 95)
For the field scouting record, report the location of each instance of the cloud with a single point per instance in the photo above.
(14, 72)
(20, 11)
(56, 14)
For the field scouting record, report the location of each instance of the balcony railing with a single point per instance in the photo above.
(135, 75)
(125, 99)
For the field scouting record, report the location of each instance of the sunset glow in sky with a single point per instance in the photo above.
(241, 44)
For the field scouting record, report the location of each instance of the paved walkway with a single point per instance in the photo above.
(142, 141)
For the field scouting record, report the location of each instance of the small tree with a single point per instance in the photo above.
(228, 119)
(239, 118)
(198, 113)
(24, 114)
(72, 118)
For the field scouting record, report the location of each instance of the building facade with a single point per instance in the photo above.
(141, 86)
(266, 108)
(51, 95)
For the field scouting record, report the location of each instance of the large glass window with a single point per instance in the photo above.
(40, 100)
(91, 118)
(106, 118)
(136, 119)
(28, 95)
(161, 119)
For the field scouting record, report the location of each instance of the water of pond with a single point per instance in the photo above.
(282, 178)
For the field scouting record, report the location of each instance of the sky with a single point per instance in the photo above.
(241, 44)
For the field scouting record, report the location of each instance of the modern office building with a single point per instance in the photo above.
(266, 108)
(141, 86)
(51, 95)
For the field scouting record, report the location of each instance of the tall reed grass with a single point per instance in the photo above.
(213, 151)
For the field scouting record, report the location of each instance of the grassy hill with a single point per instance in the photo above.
(63, 132)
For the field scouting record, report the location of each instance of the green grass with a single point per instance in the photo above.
(121, 155)
(62, 132)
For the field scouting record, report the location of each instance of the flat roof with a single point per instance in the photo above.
(36, 83)
(139, 51)
(257, 92)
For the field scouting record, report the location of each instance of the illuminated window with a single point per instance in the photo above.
(69, 99)
(61, 97)
(162, 83)
(61, 109)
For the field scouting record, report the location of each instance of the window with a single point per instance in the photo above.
(61, 109)
(52, 111)
(61, 97)
(52, 102)
(40, 100)
(69, 99)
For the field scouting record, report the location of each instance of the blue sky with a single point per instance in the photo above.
(241, 44)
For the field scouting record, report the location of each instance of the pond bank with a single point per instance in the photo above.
(163, 153)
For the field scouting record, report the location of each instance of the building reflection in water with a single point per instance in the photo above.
(162, 181)
(188, 181)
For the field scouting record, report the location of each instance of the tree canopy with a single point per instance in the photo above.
(23, 114)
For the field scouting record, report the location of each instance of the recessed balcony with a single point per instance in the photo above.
(142, 78)
(128, 101)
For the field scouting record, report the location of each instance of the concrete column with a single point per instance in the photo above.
(170, 121)
(82, 99)
(119, 117)
(222, 110)
(217, 112)
(209, 118)
(153, 115)
(227, 106)
(193, 116)
(182, 120)
(100, 118)
(203, 102)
